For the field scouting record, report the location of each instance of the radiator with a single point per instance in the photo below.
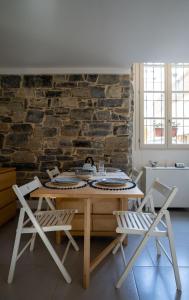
(170, 176)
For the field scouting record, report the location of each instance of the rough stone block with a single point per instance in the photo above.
(98, 133)
(70, 130)
(37, 81)
(108, 79)
(114, 92)
(34, 143)
(53, 93)
(125, 80)
(92, 77)
(17, 139)
(76, 77)
(46, 157)
(24, 157)
(49, 132)
(65, 84)
(110, 102)
(25, 166)
(100, 125)
(4, 159)
(38, 103)
(10, 92)
(22, 128)
(34, 116)
(103, 115)
(56, 151)
(65, 142)
(1, 140)
(10, 81)
(81, 92)
(5, 119)
(7, 151)
(121, 130)
(81, 143)
(116, 143)
(126, 93)
(68, 102)
(97, 92)
(52, 121)
(4, 127)
(81, 114)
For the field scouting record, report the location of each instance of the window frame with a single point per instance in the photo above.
(139, 89)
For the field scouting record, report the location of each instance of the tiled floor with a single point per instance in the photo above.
(38, 278)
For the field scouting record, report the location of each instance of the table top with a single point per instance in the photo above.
(89, 192)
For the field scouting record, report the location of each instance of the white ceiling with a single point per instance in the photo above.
(94, 34)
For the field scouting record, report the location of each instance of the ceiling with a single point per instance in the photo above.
(98, 34)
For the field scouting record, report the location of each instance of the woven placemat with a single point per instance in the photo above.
(61, 186)
(129, 185)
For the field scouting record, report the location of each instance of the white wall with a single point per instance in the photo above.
(141, 157)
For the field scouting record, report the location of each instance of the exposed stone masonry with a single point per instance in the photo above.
(48, 120)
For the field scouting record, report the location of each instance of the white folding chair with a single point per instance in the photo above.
(150, 225)
(41, 222)
(54, 172)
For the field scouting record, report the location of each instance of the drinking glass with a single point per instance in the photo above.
(101, 167)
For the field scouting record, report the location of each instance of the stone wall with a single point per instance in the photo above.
(48, 120)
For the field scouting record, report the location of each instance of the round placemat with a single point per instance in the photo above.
(59, 186)
(129, 185)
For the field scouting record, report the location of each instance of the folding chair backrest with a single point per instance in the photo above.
(136, 175)
(25, 189)
(167, 192)
(54, 172)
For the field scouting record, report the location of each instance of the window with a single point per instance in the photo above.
(164, 105)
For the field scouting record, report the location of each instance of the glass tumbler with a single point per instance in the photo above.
(101, 167)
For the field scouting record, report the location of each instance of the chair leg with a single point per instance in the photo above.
(173, 252)
(123, 236)
(16, 246)
(34, 234)
(132, 261)
(73, 242)
(158, 248)
(66, 252)
(123, 254)
(33, 241)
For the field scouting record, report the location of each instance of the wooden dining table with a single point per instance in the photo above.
(88, 194)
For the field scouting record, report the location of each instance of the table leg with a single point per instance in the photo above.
(87, 231)
(124, 206)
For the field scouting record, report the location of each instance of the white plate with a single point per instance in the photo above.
(112, 181)
(112, 170)
(69, 180)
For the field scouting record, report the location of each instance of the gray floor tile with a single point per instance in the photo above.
(158, 283)
(30, 282)
(102, 285)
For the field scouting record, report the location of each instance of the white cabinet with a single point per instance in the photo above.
(170, 176)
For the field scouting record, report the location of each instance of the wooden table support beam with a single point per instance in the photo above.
(103, 254)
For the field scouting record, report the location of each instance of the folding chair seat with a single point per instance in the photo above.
(149, 225)
(54, 172)
(138, 223)
(41, 222)
(50, 219)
